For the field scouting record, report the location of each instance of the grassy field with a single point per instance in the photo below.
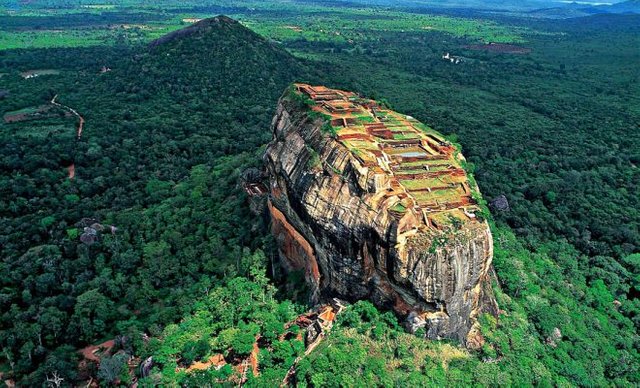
(109, 24)
(59, 132)
(28, 110)
(84, 37)
(353, 25)
(38, 73)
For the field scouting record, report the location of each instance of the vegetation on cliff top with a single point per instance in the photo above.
(425, 169)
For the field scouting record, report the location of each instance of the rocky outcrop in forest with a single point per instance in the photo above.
(372, 204)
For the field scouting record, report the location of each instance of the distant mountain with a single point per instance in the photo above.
(632, 6)
(580, 9)
(553, 9)
(495, 5)
(564, 12)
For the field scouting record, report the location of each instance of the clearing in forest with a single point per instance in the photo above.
(37, 73)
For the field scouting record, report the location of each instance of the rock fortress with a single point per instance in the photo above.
(372, 204)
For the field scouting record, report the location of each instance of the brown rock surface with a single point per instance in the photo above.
(372, 204)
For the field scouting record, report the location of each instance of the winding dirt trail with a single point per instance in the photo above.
(72, 167)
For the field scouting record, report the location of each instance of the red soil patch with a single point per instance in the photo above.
(72, 171)
(328, 314)
(42, 112)
(93, 352)
(303, 321)
(15, 118)
(216, 361)
(253, 358)
(499, 48)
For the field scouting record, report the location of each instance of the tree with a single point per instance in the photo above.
(91, 314)
(112, 368)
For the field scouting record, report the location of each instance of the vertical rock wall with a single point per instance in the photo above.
(332, 218)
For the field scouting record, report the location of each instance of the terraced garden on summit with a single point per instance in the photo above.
(416, 163)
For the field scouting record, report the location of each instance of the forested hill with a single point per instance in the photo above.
(220, 54)
(224, 75)
(169, 129)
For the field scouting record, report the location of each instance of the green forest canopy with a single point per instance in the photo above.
(170, 129)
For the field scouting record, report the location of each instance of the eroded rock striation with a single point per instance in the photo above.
(372, 204)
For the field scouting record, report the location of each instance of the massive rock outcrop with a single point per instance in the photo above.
(372, 204)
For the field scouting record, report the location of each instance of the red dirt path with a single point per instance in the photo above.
(90, 352)
(72, 167)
